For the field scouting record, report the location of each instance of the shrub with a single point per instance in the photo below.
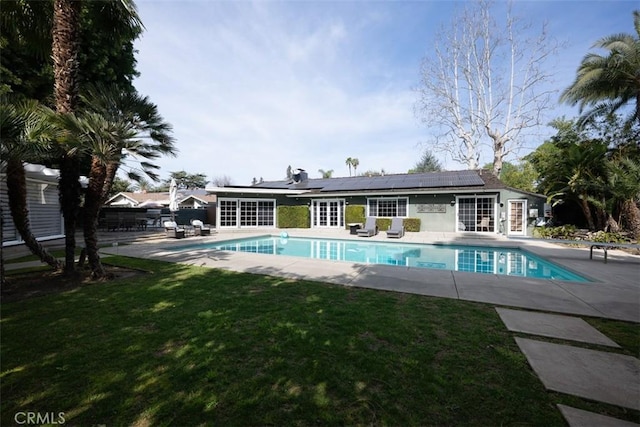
(562, 232)
(383, 223)
(412, 224)
(603, 236)
(354, 214)
(293, 217)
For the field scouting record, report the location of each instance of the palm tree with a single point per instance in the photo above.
(607, 83)
(117, 125)
(355, 163)
(32, 22)
(349, 162)
(624, 181)
(326, 173)
(24, 134)
(64, 51)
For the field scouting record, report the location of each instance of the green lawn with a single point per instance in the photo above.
(191, 346)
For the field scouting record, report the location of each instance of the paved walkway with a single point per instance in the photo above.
(598, 375)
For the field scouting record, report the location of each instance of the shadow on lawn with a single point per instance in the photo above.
(186, 345)
(181, 345)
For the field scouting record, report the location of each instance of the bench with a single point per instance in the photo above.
(605, 246)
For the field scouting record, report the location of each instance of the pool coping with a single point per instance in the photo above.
(475, 245)
(614, 292)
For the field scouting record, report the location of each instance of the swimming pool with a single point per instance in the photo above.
(474, 259)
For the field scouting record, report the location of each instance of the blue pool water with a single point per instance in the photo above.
(474, 259)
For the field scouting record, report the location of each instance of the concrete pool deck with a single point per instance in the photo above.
(613, 294)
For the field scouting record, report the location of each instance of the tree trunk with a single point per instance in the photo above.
(497, 159)
(586, 210)
(499, 142)
(70, 191)
(612, 225)
(17, 195)
(112, 169)
(92, 204)
(602, 219)
(64, 51)
(631, 218)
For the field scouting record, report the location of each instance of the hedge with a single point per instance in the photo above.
(354, 214)
(293, 217)
(410, 224)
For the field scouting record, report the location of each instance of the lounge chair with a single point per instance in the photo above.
(370, 228)
(199, 228)
(173, 230)
(397, 228)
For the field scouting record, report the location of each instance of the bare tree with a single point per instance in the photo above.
(222, 181)
(485, 84)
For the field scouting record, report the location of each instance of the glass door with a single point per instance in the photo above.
(517, 220)
(328, 213)
(476, 214)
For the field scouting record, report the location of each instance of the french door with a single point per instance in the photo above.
(328, 213)
(517, 225)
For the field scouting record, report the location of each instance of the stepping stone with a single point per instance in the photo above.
(597, 375)
(553, 325)
(579, 418)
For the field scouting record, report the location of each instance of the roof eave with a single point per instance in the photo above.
(408, 191)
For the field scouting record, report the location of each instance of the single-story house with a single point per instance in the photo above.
(451, 201)
(192, 204)
(42, 201)
(187, 199)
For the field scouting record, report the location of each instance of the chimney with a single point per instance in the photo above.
(300, 176)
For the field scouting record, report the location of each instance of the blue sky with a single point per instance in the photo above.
(252, 87)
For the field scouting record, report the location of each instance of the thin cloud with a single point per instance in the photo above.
(252, 87)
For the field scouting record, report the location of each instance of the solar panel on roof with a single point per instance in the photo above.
(428, 180)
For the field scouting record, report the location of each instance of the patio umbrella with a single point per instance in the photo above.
(173, 199)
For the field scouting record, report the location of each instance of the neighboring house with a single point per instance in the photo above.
(450, 201)
(193, 201)
(192, 204)
(132, 200)
(187, 199)
(43, 204)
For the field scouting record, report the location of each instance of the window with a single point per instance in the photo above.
(265, 214)
(228, 213)
(247, 213)
(388, 207)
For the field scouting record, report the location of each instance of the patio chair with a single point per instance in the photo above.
(483, 224)
(199, 228)
(370, 228)
(173, 230)
(397, 228)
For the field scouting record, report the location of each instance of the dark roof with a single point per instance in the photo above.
(431, 180)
